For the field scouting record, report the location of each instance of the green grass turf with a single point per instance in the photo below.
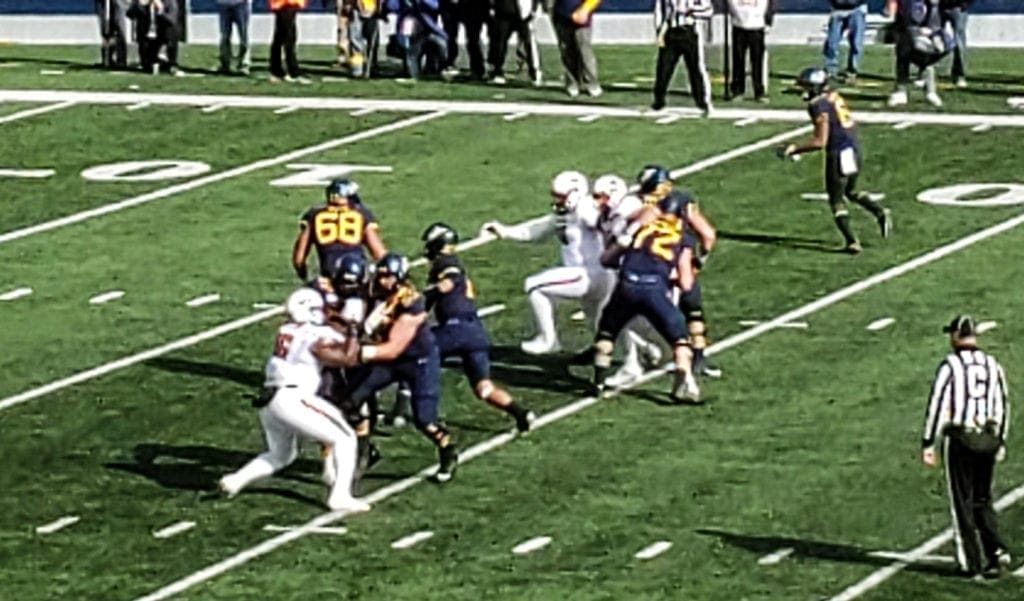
(995, 74)
(812, 435)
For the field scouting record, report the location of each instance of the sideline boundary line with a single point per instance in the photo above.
(216, 177)
(480, 240)
(483, 107)
(486, 446)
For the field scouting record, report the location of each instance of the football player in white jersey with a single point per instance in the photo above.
(291, 409)
(581, 276)
(618, 210)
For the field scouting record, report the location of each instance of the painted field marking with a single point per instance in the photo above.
(266, 305)
(284, 110)
(138, 106)
(288, 157)
(578, 315)
(903, 125)
(896, 555)
(588, 118)
(106, 297)
(490, 310)
(363, 111)
(625, 85)
(653, 550)
(928, 547)
(199, 301)
(486, 446)
(1019, 572)
(982, 127)
(330, 530)
(39, 110)
(881, 324)
(985, 326)
(27, 173)
(174, 529)
(875, 196)
(56, 525)
(213, 108)
(667, 119)
(54, 72)
(411, 540)
(529, 546)
(488, 108)
(775, 557)
(515, 116)
(15, 294)
(795, 325)
(1016, 102)
(746, 122)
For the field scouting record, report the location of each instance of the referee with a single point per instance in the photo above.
(970, 412)
(681, 28)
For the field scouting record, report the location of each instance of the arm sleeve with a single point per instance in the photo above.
(588, 213)
(937, 401)
(531, 231)
(769, 13)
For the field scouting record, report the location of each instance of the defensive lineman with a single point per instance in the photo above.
(581, 276)
(290, 407)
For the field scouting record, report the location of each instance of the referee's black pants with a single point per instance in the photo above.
(748, 41)
(686, 42)
(969, 469)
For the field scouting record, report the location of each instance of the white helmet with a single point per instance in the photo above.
(567, 189)
(306, 305)
(612, 186)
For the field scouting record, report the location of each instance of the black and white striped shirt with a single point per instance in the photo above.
(969, 393)
(680, 13)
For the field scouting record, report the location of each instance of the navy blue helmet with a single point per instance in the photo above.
(436, 237)
(393, 264)
(348, 273)
(813, 81)
(673, 204)
(652, 176)
(344, 188)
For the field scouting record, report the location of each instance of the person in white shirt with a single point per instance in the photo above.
(581, 276)
(290, 408)
(751, 20)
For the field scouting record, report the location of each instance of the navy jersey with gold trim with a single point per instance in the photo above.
(459, 302)
(842, 130)
(336, 231)
(405, 300)
(656, 248)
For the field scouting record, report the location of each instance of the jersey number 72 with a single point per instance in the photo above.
(660, 238)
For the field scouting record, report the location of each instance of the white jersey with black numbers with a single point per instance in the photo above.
(293, 363)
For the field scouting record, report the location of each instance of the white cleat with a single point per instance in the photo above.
(626, 375)
(898, 98)
(348, 504)
(933, 99)
(228, 487)
(686, 390)
(539, 346)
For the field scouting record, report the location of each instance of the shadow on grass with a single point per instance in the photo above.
(246, 377)
(795, 242)
(812, 549)
(198, 467)
(550, 373)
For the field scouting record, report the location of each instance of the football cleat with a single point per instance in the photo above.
(885, 223)
(852, 248)
(898, 98)
(539, 346)
(342, 501)
(625, 376)
(228, 487)
(524, 420)
(933, 99)
(685, 389)
(449, 461)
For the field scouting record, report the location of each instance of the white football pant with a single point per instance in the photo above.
(591, 287)
(292, 415)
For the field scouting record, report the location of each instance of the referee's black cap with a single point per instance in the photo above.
(962, 326)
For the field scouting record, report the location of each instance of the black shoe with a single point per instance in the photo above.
(658, 104)
(449, 460)
(373, 456)
(523, 420)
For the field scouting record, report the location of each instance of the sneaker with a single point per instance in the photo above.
(274, 79)
(850, 78)
(919, 82)
(176, 72)
(594, 91)
(885, 223)
(762, 100)
(497, 80)
(537, 80)
(933, 99)
(852, 248)
(961, 82)
(449, 460)
(347, 503)
(685, 389)
(524, 420)
(898, 98)
(539, 346)
(244, 71)
(449, 73)
(228, 487)
(572, 90)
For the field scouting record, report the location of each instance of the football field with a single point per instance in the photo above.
(146, 236)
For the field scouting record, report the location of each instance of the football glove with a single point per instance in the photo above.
(495, 228)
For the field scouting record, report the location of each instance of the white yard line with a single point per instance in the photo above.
(899, 556)
(56, 525)
(981, 127)
(51, 72)
(106, 297)
(199, 301)
(903, 125)
(411, 540)
(926, 548)
(213, 178)
(668, 119)
(774, 558)
(15, 294)
(985, 326)
(363, 106)
(174, 529)
(27, 173)
(795, 325)
(625, 85)
(331, 530)
(213, 108)
(529, 546)
(39, 110)
(486, 446)
(515, 116)
(138, 106)
(746, 122)
(653, 550)
(284, 110)
(881, 324)
(588, 118)
(490, 310)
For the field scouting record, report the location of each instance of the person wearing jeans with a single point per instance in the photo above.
(954, 12)
(851, 16)
(234, 14)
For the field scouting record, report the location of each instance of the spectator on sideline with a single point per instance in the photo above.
(114, 31)
(420, 40)
(285, 38)
(157, 25)
(234, 13)
(751, 19)
(954, 12)
(473, 15)
(514, 16)
(921, 41)
(572, 20)
(361, 17)
(851, 16)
